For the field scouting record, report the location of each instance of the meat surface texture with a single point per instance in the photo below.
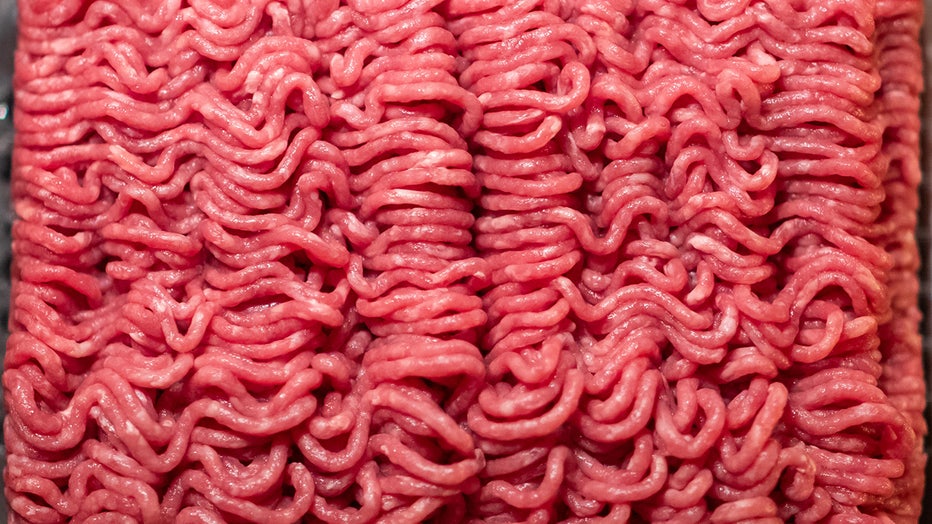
(465, 261)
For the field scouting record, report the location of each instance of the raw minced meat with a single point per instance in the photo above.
(466, 261)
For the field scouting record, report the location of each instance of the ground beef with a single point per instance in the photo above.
(466, 261)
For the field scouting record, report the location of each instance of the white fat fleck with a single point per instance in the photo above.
(595, 127)
(130, 428)
(431, 159)
(63, 46)
(253, 79)
(142, 396)
(484, 97)
(507, 408)
(760, 56)
(85, 348)
(730, 324)
(263, 425)
(213, 409)
(514, 77)
(339, 94)
(701, 242)
(767, 171)
(102, 421)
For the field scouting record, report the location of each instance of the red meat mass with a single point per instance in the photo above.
(465, 261)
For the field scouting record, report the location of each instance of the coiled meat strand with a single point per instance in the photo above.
(400, 120)
(529, 70)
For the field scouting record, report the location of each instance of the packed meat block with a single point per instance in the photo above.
(465, 261)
